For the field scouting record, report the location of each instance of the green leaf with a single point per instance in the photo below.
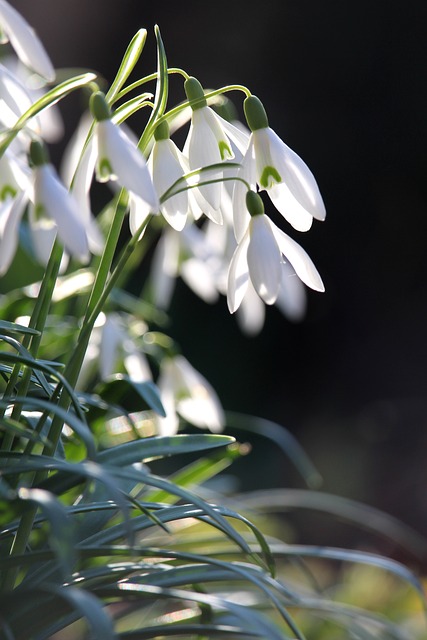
(282, 438)
(18, 429)
(61, 531)
(130, 107)
(360, 514)
(48, 99)
(68, 417)
(131, 57)
(159, 447)
(13, 327)
(124, 392)
(161, 96)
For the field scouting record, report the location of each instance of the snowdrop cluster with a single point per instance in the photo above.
(207, 199)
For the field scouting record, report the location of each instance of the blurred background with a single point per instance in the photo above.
(345, 85)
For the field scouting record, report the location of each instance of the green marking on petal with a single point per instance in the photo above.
(269, 176)
(38, 153)
(6, 192)
(39, 212)
(224, 150)
(105, 170)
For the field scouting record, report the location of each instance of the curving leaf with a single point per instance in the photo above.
(160, 447)
(124, 392)
(131, 57)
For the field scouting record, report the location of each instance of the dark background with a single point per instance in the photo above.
(344, 84)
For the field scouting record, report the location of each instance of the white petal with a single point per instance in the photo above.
(289, 207)
(139, 211)
(127, 162)
(238, 135)
(203, 150)
(292, 299)
(251, 313)
(164, 268)
(264, 259)
(199, 278)
(247, 172)
(111, 340)
(299, 259)
(238, 275)
(25, 42)
(10, 216)
(297, 176)
(201, 406)
(43, 235)
(166, 170)
(61, 207)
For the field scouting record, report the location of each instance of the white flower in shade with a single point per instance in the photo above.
(272, 165)
(111, 348)
(258, 257)
(52, 202)
(15, 187)
(167, 165)
(11, 211)
(118, 158)
(185, 391)
(23, 39)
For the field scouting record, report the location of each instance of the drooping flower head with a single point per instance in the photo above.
(56, 207)
(259, 258)
(23, 39)
(207, 142)
(118, 158)
(166, 165)
(273, 166)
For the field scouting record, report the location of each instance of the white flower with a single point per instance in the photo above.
(185, 391)
(258, 257)
(52, 200)
(25, 42)
(272, 165)
(166, 165)
(119, 159)
(54, 206)
(11, 211)
(111, 346)
(208, 141)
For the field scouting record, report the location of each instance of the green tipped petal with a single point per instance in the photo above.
(255, 113)
(195, 94)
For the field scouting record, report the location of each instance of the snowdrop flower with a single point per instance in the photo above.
(15, 187)
(111, 346)
(23, 39)
(271, 164)
(258, 257)
(208, 140)
(185, 391)
(118, 158)
(53, 204)
(166, 165)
